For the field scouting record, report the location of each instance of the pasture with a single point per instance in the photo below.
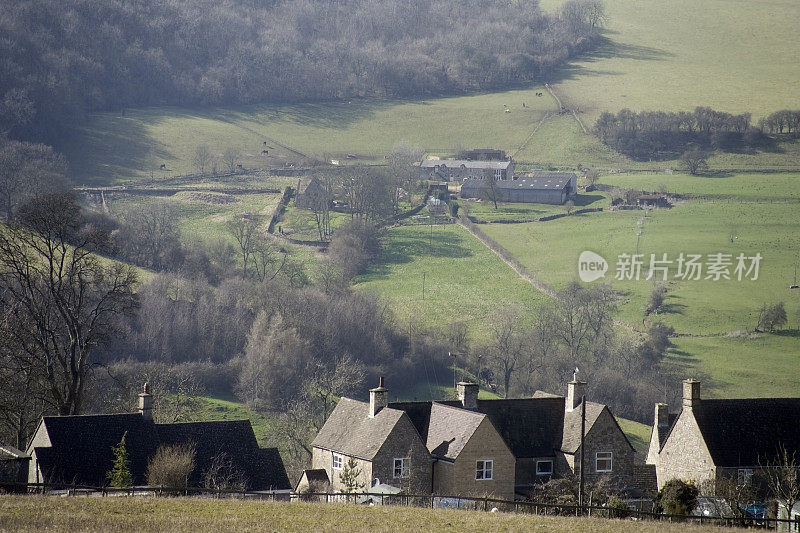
(741, 186)
(733, 56)
(464, 280)
(43, 513)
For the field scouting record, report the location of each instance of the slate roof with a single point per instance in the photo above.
(81, 450)
(449, 430)
(541, 181)
(9, 453)
(468, 163)
(530, 427)
(746, 432)
(350, 431)
(572, 425)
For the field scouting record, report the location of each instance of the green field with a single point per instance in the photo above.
(734, 56)
(483, 211)
(464, 280)
(46, 513)
(741, 186)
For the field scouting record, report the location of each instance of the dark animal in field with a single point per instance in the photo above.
(240, 167)
(163, 166)
(264, 152)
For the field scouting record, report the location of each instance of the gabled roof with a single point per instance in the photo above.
(350, 431)
(541, 181)
(572, 425)
(449, 430)
(81, 448)
(747, 432)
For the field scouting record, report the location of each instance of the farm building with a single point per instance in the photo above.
(461, 169)
(78, 449)
(540, 187)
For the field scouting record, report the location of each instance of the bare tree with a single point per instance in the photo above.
(491, 189)
(782, 476)
(244, 230)
(695, 161)
(27, 170)
(223, 474)
(202, 158)
(231, 157)
(171, 466)
(60, 301)
(508, 344)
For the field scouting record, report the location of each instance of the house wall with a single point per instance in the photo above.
(321, 458)
(606, 436)
(40, 439)
(404, 441)
(485, 443)
(685, 455)
(525, 471)
(444, 478)
(653, 448)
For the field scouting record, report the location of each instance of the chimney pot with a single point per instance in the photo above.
(691, 393)
(575, 390)
(378, 398)
(468, 394)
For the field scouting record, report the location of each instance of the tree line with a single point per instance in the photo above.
(62, 59)
(665, 135)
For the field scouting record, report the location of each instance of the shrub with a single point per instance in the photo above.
(120, 473)
(677, 497)
(771, 317)
(171, 466)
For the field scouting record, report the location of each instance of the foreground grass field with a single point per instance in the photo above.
(40, 513)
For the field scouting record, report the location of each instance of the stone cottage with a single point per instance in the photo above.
(709, 438)
(382, 441)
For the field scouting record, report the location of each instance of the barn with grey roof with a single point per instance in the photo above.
(536, 187)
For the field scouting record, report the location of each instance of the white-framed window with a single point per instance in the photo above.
(401, 465)
(498, 174)
(544, 468)
(484, 469)
(337, 461)
(745, 475)
(604, 461)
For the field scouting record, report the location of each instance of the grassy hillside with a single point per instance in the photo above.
(41, 513)
(732, 55)
(463, 279)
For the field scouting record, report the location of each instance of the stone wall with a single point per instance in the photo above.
(685, 455)
(606, 436)
(404, 442)
(485, 444)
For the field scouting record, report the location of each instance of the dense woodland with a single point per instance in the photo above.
(61, 59)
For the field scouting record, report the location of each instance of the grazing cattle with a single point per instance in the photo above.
(163, 166)
(264, 152)
(265, 143)
(508, 110)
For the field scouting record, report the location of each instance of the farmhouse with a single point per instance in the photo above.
(78, 449)
(543, 434)
(381, 441)
(461, 169)
(539, 187)
(311, 193)
(474, 447)
(711, 439)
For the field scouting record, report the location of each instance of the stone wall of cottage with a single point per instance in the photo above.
(606, 436)
(484, 444)
(322, 458)
(685, 455)
(404, 442)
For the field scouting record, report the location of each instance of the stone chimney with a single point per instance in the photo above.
(661, 419)
(378, 398)
(468, 394)
(146, 403)
(691, 393)
(575, 389)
